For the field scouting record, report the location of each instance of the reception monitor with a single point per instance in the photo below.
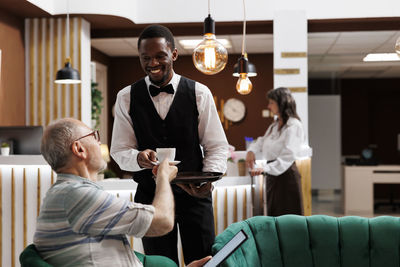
(22, 139)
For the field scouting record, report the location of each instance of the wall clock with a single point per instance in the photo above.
(234, 110)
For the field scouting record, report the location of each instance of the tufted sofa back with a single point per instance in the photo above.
(315, 241)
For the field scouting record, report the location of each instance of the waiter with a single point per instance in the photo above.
(165, 109)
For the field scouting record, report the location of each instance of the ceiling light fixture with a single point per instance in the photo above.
(68, 75)
(243, 85)
(373, 57)
(192, 43)
(210, 56)
(252, 72)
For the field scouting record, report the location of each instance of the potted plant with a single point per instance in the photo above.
(97, 100)
(5, 149)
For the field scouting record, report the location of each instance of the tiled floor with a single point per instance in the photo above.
(327, 203)
(331, 203)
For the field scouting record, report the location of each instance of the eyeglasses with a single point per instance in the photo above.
(95, 134)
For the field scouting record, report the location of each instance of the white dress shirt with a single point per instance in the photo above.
(284, 147)
(211, 134)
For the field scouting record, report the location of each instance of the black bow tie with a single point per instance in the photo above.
(154, 91)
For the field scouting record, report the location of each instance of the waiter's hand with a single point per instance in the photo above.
(257, 171)
(194, 190)
(146, 157)
(250, 160)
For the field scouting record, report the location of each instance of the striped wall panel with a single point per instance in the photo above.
(46, 52)
(22, 189)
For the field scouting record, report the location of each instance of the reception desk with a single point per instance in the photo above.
(359, 186)
(24, 181)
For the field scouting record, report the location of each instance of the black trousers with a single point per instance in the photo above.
(284, 195)
(196, 227)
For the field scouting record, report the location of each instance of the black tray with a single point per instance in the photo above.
(196, 177)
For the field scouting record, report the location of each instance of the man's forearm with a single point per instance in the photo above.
(164, 215)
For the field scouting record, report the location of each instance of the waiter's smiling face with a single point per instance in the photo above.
(157, 57)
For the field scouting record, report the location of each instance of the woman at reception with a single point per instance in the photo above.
(283, 143)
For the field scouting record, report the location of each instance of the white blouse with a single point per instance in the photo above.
(284, 147)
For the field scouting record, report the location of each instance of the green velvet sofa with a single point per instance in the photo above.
(318, 240)
(31, 258)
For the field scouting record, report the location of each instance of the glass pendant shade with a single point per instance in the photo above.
(210, 56)
(243, 85)
(397, 47)
(68, 75)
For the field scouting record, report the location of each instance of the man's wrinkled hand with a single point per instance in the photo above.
(165, 171)
(200, 191)
(147, 158)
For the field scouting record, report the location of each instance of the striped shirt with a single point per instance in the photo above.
(81, 225)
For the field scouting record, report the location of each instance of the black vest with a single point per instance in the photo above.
(179, 129)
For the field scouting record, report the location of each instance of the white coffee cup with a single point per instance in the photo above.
(166, 153)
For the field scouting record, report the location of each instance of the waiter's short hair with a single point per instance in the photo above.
(156, 30)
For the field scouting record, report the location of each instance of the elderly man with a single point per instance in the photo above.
(80, 224)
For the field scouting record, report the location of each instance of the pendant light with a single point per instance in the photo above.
(210, 56)
(68, 75)
(252, 72)
(243, 85)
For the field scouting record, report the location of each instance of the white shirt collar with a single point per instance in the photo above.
(174, 81)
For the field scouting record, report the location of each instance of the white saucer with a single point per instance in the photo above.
(174, 162)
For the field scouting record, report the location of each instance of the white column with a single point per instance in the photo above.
(290, 68)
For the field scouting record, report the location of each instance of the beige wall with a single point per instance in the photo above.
(12, 76)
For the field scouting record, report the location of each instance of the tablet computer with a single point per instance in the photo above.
(227, 249)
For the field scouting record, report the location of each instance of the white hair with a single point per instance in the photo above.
(56, 142)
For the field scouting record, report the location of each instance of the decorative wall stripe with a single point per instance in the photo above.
(63, 86)
(12, 217)
(235, 215)
(46, 54)
(38, 190)
(56, 65)
(244, 209)
(25, 225)
(49, 83)
(293, 54)
(79, 67)
(131, 199)
(71, 88)
(286, 71)
(298, 89)
(261, 192)
(40, 71)
(31, 71)
(215, 205)
(225, 208)
(182, 261)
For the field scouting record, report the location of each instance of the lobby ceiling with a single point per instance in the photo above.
(330, 54)
(335, 47)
